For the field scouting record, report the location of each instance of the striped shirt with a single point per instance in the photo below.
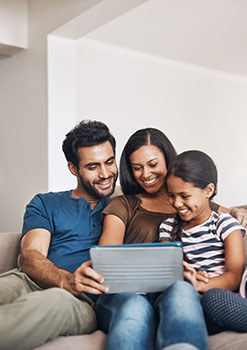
(204, 244)
(243, 285)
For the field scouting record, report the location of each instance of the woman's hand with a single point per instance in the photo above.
(240, 214)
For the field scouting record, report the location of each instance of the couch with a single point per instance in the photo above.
(9, 250)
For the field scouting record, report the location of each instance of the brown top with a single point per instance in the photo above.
(142, 225)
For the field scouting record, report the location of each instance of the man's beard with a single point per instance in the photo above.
(92, 190)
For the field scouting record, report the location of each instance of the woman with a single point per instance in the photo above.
(174, 318)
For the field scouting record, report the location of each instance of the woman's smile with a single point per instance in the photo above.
(149, 167)
(150, 182)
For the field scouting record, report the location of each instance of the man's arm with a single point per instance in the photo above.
(34, 262)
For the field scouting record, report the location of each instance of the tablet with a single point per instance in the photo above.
(139, 268)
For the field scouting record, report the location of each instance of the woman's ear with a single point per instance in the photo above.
(72, 168)
(210, 190)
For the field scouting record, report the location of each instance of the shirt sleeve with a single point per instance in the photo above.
(119, 207)
(226, 224)
(36, 216)
(165, 229)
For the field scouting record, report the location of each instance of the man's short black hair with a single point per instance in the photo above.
(85, 134)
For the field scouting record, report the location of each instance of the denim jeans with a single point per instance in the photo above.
(158, 320)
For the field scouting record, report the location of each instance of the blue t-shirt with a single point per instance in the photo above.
(74, 227)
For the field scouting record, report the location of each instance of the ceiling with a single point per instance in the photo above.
(207, 33)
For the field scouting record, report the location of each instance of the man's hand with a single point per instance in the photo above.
(84, 279)
(34, 262)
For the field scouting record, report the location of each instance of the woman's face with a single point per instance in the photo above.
(149, 168)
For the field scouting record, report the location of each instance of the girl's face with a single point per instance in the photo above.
(191, 203)
(149, 168)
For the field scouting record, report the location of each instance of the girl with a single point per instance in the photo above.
(213, 243)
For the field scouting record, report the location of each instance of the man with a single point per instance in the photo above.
(45, 298)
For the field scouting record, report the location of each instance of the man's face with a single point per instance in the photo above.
(97, 171)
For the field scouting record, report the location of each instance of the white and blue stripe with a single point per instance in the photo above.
(204, 244)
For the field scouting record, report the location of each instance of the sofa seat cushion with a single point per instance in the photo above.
(93, 341)
(227, 341)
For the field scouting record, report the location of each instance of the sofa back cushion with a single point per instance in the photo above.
(9, 250)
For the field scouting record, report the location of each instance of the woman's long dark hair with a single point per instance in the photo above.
(197, 168)
(140, 138)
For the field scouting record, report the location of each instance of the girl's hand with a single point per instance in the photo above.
(197, 279)
(202, 276)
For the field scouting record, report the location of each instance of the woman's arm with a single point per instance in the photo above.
(113, 230)
(234, 263)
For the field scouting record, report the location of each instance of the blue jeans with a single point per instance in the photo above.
(158, 320)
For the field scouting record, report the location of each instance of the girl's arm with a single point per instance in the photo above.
(113, 230)
(234, 263)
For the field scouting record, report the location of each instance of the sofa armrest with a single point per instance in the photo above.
(9, 250)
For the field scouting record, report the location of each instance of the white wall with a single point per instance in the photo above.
(25, 146)
(62, 76)
(196, 108)
(24, 111)
(13, 23)
(61, 108)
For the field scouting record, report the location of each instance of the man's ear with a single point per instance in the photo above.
(72, 168)
(210, 190)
